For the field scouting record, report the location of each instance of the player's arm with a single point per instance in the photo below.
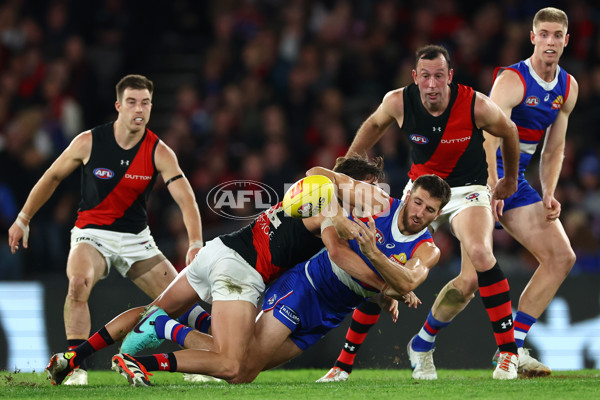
(75, 155)
(553, 153)
(340, 253)
(507, 93)
(361, 196)
(391, 109)
(182, 193)
(402, 278)
(490, 118)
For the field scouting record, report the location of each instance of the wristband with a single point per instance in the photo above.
(194, 244)
(25, 229)
(25, 216)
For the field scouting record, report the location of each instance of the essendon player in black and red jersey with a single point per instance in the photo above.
(231, 272)
(120, 162)
(443, 122)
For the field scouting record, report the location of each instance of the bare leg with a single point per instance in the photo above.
(548, 242)
(85, 267)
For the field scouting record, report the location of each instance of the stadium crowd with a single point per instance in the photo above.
(262, 90)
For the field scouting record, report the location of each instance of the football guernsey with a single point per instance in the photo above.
(115, 183)
(449, 145)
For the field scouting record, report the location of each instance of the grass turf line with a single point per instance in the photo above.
(299, 384)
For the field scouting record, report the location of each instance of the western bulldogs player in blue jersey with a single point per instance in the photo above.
(539, 96)
(314, 297)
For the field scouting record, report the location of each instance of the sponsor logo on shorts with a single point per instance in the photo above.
(241, 199)
(473, 197)
(290, 314)
(87, 239)
(103, 173)
(419, 139)
(272, 300)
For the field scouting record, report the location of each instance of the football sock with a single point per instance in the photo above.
(158, 362)
(523, 323)
(97, 341)
(197, 318)
(72, 345)
(425, 339)
(167, 328)
(363, 318)
(495, 294)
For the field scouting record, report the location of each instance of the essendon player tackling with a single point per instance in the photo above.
(444, 123)
(231, 272)
(120, 162)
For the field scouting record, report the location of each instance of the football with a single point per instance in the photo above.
(308, 196)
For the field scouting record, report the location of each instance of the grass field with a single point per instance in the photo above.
(298, 384)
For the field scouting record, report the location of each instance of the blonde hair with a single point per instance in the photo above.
(551, 14)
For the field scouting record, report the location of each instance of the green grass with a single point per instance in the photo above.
(298, 384)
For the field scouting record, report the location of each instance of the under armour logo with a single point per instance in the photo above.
(547, 97)
(124, 162)
(507, 324)
(349, 347)
(164, 365)
(437, 128)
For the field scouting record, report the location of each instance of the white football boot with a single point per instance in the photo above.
(421, 362)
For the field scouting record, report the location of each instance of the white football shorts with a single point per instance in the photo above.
(120, 250)
(461, 197)
(220, 273)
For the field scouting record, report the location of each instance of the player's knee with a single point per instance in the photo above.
(566, 262)
(482, 257)
(80, 288)
(231, 370)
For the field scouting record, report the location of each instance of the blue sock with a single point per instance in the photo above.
(167, 328)
(523, 323)
(197, 318)
(425, 339)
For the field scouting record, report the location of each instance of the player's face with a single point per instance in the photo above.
(433, 77)
(134, 108)
(420, 210)
(550, 40)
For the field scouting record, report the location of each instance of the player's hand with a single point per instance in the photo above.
(388, 304)
(17, 232)
(345, 228)
(194, 248)
(553, 206)
(497, 207)
(504, 188)
(367, 239)
(411, 300)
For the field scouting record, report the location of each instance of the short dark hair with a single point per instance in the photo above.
(431, 52)
(436, 186)
(360, 168)
(133, 82)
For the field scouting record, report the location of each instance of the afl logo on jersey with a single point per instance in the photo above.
(379, 237)
(103, 173)
(532, 101)
(418, 139)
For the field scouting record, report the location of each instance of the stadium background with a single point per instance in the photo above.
(262, 90)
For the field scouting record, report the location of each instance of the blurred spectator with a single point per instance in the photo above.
(274, 88)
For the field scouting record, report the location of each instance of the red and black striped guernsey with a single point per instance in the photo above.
(449, 145)
(115, 183)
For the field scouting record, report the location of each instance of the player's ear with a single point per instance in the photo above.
(450, 75)
(532, 37)
(117, 105)
(566, 39)
(414, 75)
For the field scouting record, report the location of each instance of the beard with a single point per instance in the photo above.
(408, 224)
